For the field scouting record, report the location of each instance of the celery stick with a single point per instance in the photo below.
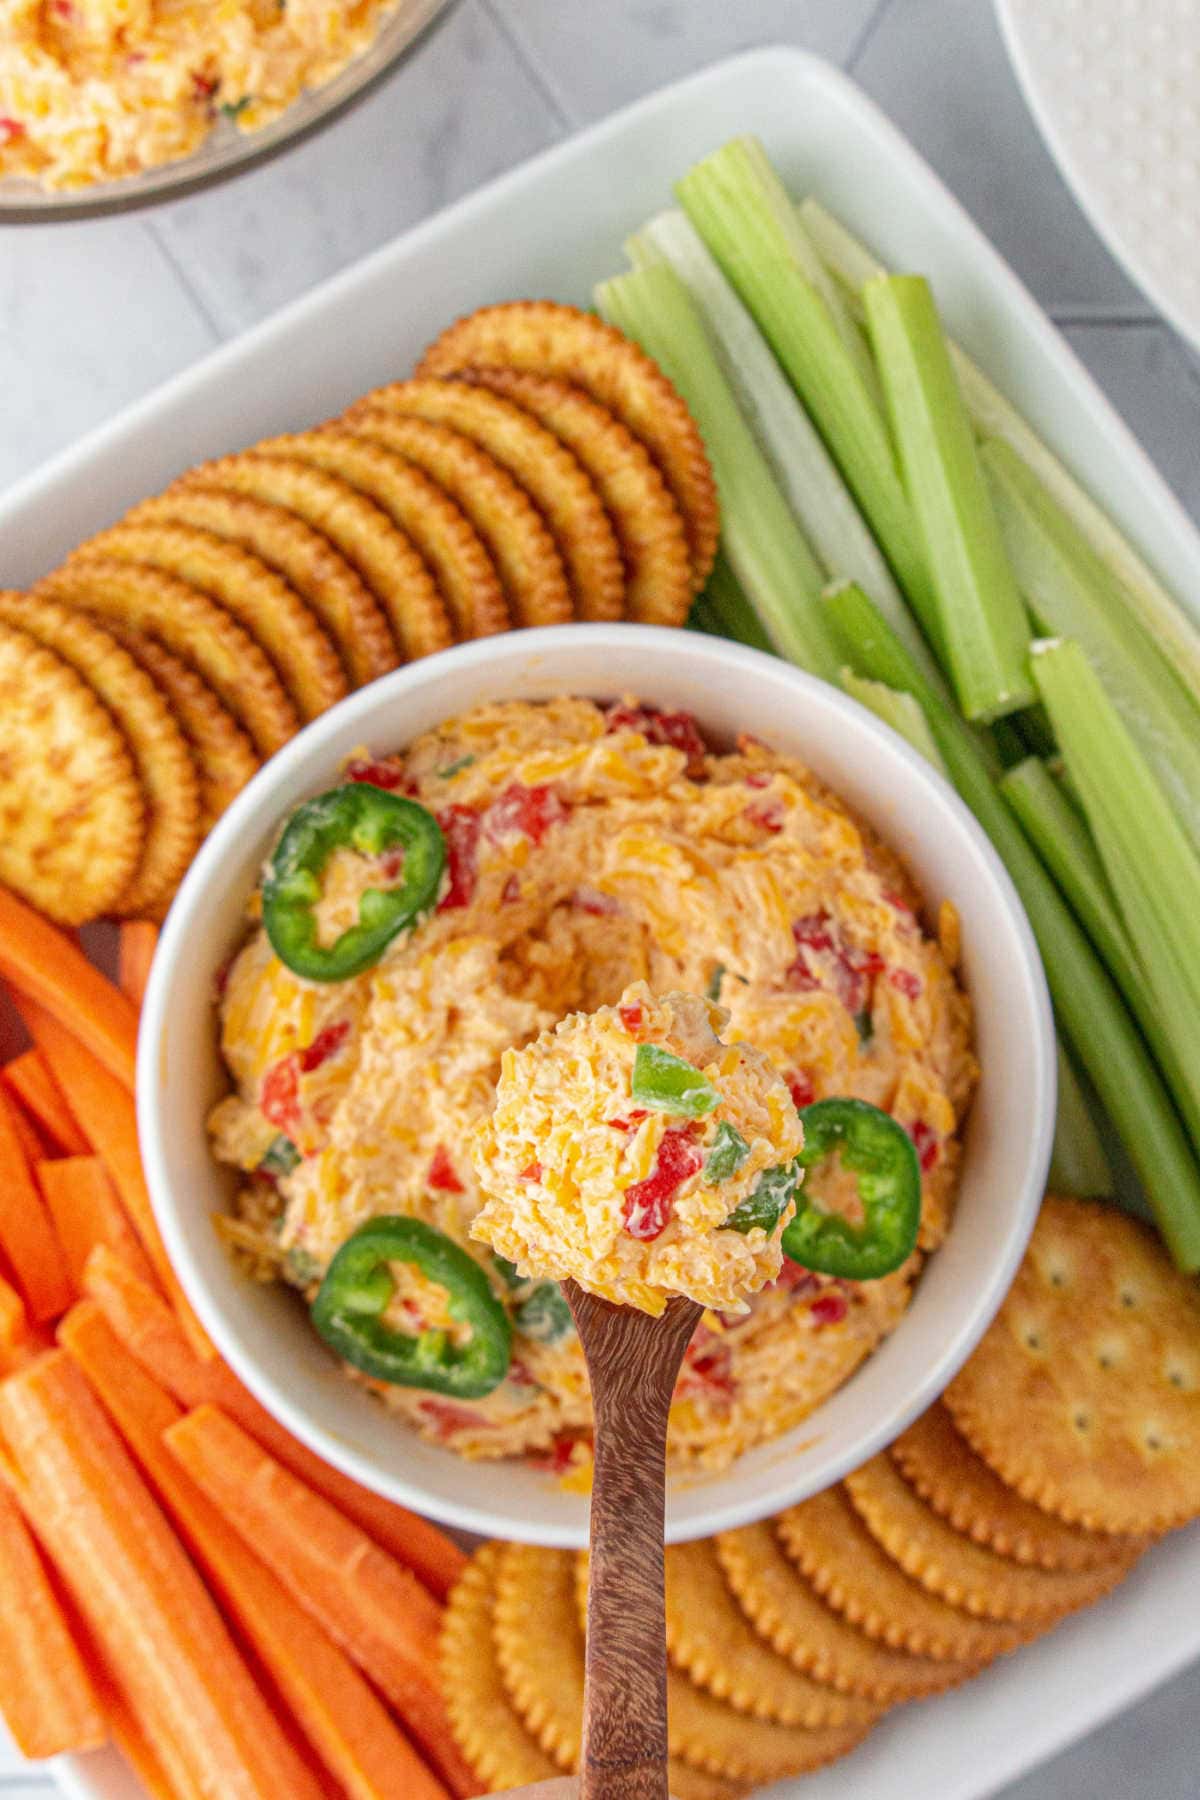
(1072, 595)
(1138, 589)
(899, 710)
(1151, 866)
(981, 620)
(1100, 1030)
(738, 205)
(802, 466)
(1078, 1164)
(735, 616)
(766, 548)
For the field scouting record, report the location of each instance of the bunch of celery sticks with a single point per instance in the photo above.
(892, 525)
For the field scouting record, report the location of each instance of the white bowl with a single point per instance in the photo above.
(264, 1332)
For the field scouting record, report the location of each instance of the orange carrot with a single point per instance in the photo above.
(369, 1603)
(145, 1325)
(33, 1149)
(336, 1708)
(46, 1695)
(106, 1113)
(85, 1212)
(134, 1744)
(14, 1321)
(43, 964)
(29, 1077)
(147, 1610)
(26, 1234)
(137, 943)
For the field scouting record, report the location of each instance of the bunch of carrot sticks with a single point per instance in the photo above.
(179, 1576)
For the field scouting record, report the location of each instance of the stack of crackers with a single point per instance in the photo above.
(1069, 1442)
(538, 468)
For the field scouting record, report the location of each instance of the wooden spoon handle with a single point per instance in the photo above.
(633, 1361)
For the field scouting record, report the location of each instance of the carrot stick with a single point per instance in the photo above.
(29, 1077)
(43, 964)
(46, 1695)
(145, 1325)
(137, 942)
(335, 1707)
(33, 1149)
(14, 1321)
(106, 1113)
(85, 1212)
(26, 1234)
(369, 1603)
(134, 1744)
(152, 1620)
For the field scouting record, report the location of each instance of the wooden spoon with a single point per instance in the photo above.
(633, 1361)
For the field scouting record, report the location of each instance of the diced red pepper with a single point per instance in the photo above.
(448, 1418)
(591, 900)
(927, 1142)
(531, 1172)
(767, 815)
(631, 1121)
(631, 1018)
(759, 778)
(11, 130)
(853, 970)
(560, 1456)
(204, 86)
(520, 1374)
(442, 1173)
(460, 828)
(279, 1100)
(707, 1366)
(800, 1087)
(511, 891)
(829, 1308)
(898, 902)
(63, 9)
(391, 863)
(647, 1204)
(812, 931)
(529, 812)
(905, 982)
(327, 1043)
(793, 1277)
(378, 774)
(678, 730)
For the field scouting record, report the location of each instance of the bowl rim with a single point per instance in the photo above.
(251, 812)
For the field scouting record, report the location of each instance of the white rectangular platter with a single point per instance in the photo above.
(552, 228)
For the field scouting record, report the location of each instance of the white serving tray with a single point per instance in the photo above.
(552, 228)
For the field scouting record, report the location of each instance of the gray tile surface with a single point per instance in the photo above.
(93, 315)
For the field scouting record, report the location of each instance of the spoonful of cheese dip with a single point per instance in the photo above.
(652, 1169)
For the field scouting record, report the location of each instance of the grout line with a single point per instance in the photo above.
(862, 41)
(1115, 318)
(180, 271)
(529, 64)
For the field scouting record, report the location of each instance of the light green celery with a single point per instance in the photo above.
(734, 615)
(1152, 868)
(899, 710)
(1071, 594)
(1090, 1011)
(802, 466)
(982, 625)
(1138, 590)
(1078, 1163)
(765, 546)
(741, 210)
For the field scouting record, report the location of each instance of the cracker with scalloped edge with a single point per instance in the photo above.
(545, 338)
(449, 544)
(334, 592)
(711, 1640)
(706, 1734)
(224, 756)
(854, 1575)
(1084, 1395)
(161, 755)
(190, 624)
(384, 557)
(786, 1611)
(486, 1728)
(540, 463)
(648, 524)
(71, 807)
(260, 600)
(967, 1574)
(526, 558)
(936, 1460)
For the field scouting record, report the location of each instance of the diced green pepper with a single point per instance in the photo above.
(766, 1205)
(545, 1316)
(729, 1151)
(281, 1157)
(713, 990)
(666, 1083)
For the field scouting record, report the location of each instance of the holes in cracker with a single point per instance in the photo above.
(1110, 1352)
(1129, 1297)
(1180, 1376)
(1032, 1338)
(1081, 1419)
(1057, 1271)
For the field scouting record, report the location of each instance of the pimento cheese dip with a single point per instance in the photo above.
(589, 848)
(631, 1185)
